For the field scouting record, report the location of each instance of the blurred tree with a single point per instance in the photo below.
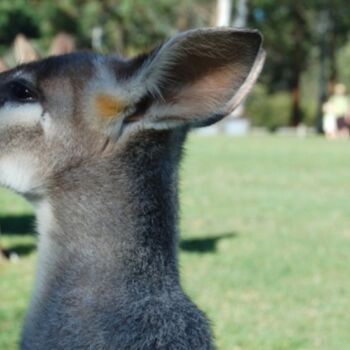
(333, 32)
(124, 26)
(288, 39)
(291, 32)
(337, 35)
(17, 17)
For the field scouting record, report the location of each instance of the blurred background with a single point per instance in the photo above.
(265, 218)
(307, 42)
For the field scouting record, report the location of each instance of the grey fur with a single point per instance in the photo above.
(106, 191)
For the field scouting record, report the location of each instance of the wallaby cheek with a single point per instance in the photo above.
(21, 151)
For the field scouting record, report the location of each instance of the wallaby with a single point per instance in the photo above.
(24, 50)
(94, 143)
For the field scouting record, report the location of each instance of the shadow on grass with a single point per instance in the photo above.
(24, 225)
(196, 245)
(19, 250)
(12, 225)
(205, 244)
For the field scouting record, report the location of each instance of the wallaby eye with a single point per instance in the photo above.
(21, 92)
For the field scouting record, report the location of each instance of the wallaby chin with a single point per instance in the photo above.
(98, 155)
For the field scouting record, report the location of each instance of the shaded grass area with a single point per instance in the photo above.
(205, 244)
(17, 224)
(265, 246)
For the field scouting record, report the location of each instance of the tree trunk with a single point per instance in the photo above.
(324, 53)
(298, 54)
(223, 12)
(296, 117)
(333, 74)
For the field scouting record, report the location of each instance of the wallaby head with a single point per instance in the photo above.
(63, 110)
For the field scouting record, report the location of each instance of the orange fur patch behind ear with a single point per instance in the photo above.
(108, 106)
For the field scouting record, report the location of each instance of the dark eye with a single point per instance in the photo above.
(21, 92)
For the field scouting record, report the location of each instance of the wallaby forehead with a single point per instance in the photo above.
(83, 71)
(73, 66)
(76, 66)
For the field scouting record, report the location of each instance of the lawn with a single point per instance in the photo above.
(265, 245)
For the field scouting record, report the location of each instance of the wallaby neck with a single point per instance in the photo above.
(108, 237)
(112, 223)
(118, 214)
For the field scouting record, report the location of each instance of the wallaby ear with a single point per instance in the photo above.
(197, 77)
(24, 50)
(62, 44)
(3, 66)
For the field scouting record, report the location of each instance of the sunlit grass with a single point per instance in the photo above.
(265, 243)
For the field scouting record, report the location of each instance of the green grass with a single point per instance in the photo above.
(265, 245)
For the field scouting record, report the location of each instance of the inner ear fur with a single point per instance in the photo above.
(203, 52)
(200, 74)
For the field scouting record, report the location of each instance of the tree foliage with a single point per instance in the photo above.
(293, 31)
(16, 17)
(128, 26)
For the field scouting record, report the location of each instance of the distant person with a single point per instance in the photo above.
(336, 111)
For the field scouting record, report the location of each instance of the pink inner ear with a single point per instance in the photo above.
(209, 93)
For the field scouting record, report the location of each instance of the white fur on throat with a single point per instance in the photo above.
(48, 253)
(18, 173)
